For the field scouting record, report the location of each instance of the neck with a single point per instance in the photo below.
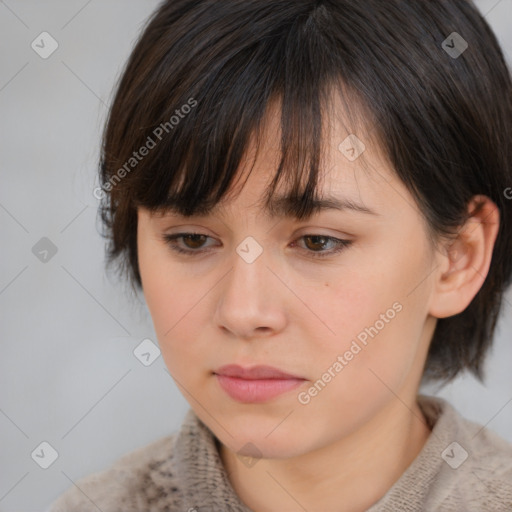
(350, 474)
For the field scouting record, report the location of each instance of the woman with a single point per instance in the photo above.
(312, 197)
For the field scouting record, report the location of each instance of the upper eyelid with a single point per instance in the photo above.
(180, 235)
(311, 232)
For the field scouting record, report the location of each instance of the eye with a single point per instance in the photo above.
(194, 244)
(319, 241)
(195, 240)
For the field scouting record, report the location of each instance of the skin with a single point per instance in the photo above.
(344, 449)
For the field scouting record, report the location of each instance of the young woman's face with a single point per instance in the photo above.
(352, 325)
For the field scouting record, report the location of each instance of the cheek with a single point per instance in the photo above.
(177, 322)
(172, 299)
(377, 313)
(175, 307)
(378, 353)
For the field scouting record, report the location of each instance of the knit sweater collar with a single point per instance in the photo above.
(205, 484)
(203, 478)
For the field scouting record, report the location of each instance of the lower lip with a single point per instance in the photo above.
(257, 390)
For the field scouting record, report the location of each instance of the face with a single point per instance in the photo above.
(349, 319)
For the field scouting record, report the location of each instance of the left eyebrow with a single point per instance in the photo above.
(286, 206)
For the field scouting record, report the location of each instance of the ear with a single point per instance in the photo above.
(463, 263)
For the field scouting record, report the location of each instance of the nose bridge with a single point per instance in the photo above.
(249, 298)
(249, 275)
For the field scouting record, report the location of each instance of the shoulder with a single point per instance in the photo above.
(487, 465)
(179, 472)
(463, 467)
(135, 482)
(476, 468)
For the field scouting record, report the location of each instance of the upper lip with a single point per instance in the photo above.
(255, 372)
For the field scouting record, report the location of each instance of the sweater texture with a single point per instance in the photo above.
(463, 467)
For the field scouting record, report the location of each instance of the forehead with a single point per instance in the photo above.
(342, 187)
(351, 171)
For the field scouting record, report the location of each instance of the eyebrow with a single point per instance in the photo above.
(286, 206)
(283, 206)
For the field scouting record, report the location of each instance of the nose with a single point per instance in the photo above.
(252, 298)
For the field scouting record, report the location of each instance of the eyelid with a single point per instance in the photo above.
(341, 243)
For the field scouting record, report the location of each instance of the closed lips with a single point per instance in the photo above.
(254, 373)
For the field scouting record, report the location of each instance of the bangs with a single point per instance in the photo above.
(211, 99)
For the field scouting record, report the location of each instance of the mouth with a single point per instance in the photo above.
(257, 384)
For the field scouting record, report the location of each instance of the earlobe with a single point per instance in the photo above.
(464, 262)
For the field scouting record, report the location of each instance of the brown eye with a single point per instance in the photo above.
(194, 241)
(317, 242)
(315, 245)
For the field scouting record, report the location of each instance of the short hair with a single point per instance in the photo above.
(426, 78)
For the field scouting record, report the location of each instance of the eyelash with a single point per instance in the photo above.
(170, 240)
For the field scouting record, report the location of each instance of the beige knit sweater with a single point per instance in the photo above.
(183, 472)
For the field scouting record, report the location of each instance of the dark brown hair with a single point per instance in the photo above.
(203, 73)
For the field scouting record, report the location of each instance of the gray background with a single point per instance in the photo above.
(68, 375)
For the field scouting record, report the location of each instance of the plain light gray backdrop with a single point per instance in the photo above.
(68, 375)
